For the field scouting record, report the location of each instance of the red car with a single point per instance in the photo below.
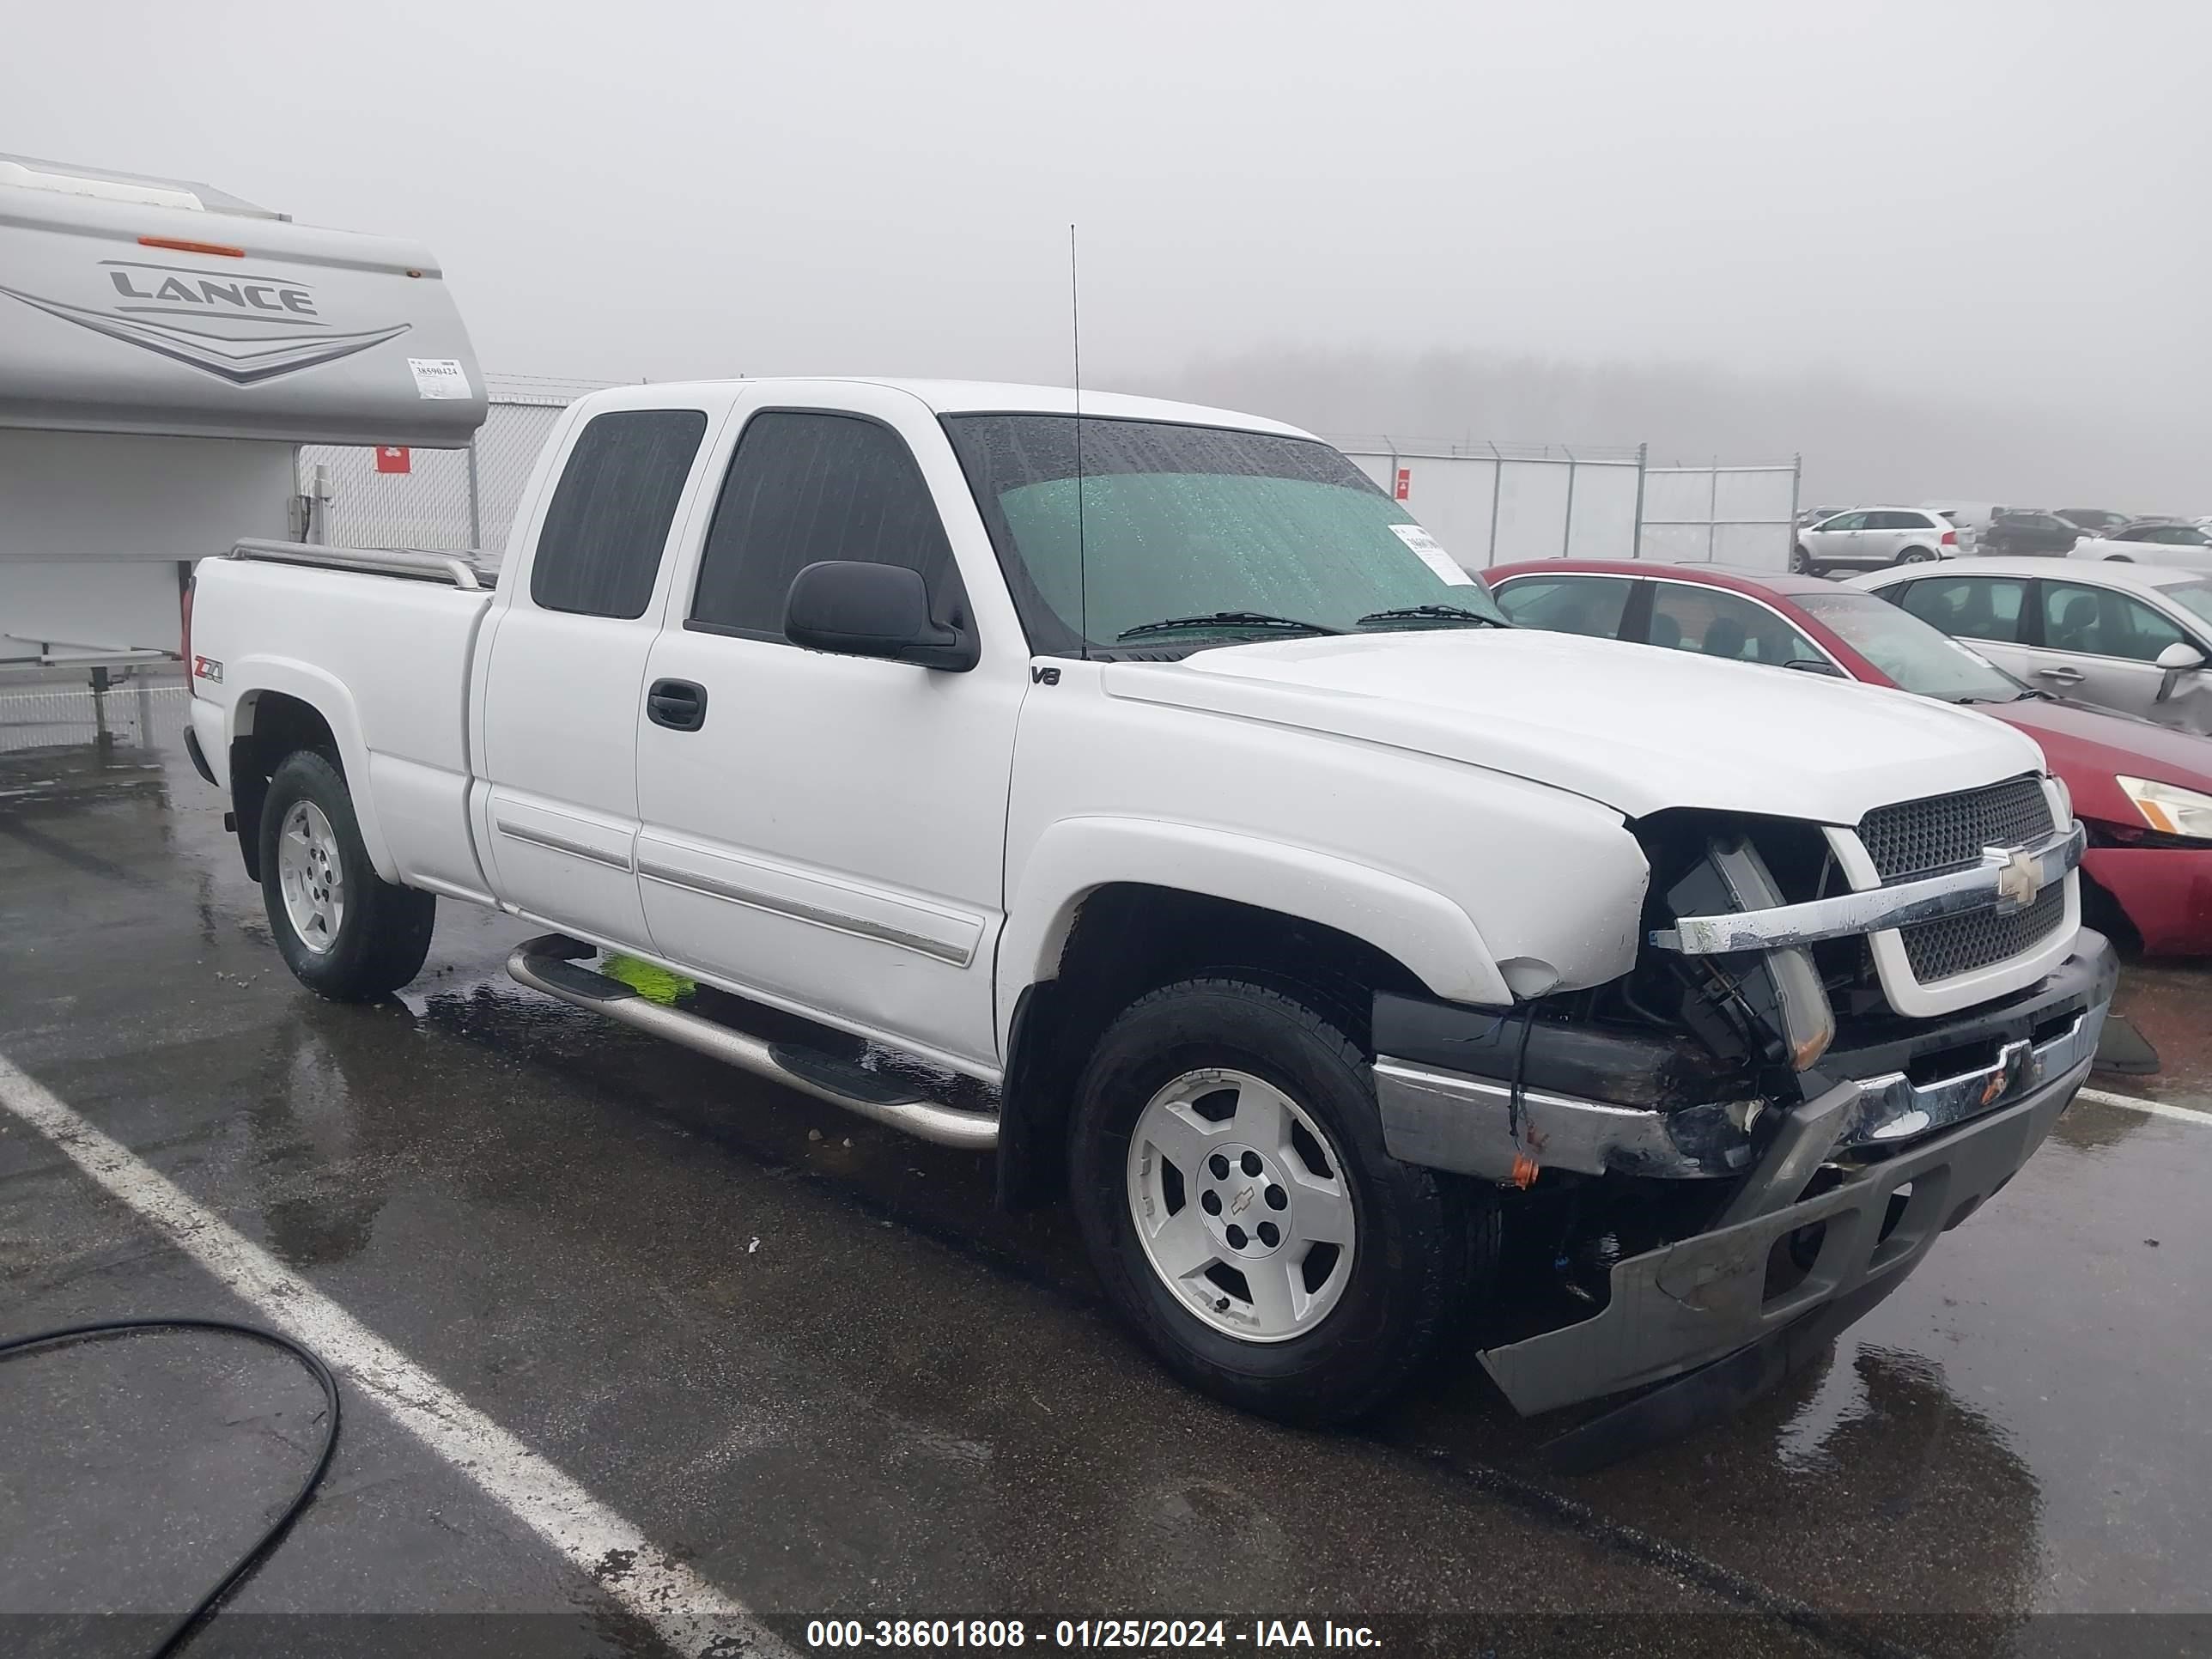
(2142, 883)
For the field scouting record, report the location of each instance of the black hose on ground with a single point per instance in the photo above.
(259, 1552)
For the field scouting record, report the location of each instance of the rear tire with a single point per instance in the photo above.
(1915, 555)
(1216, 1106)
(343, 931)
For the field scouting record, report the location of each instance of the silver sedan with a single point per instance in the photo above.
(2131, 637)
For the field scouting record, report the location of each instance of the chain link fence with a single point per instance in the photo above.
(138, 712)
(1488, 503)
(1500, 503)
(1718, 513)
(1503, 503)
(438, 500)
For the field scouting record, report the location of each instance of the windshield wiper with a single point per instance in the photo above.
(1433, 613)
(1225, 619)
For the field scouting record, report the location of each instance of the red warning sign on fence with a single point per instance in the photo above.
(1405, 480)
(393, 458)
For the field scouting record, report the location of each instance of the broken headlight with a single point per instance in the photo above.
(1779, 992)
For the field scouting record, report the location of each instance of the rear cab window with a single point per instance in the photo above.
(599, 549)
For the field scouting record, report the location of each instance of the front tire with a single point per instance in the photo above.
(1228, 1170)
(343, 931)
(1801, 561)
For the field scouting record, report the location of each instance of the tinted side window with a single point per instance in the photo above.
(608, 522)
(1718, 624)
(1846, 521)
(1568, 604)
(805, 487)
(1969, 607)
(2099, 624)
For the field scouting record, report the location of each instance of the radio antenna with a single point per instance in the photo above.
(1082, 552)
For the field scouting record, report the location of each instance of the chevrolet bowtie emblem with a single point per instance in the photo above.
(2020, 877)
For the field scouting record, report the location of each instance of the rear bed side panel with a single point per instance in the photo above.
(386, 662)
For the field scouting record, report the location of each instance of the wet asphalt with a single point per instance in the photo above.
(805, 1356)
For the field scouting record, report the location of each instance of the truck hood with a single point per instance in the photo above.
(1635, 727)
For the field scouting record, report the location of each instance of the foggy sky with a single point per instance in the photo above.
(1958, 240)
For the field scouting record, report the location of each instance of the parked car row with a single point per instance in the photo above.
(1871, 538)
(1990, 529)
(2144, 790)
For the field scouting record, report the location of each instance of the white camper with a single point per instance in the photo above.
(164, 349)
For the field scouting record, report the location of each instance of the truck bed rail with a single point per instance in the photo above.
(375, 561)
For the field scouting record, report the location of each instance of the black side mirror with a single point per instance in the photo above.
(860, 610)
(1816, 665)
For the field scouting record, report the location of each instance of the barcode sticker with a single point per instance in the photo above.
(438, 377)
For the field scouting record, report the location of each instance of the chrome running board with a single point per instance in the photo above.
(548, 965)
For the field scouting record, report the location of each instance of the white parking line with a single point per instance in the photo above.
(2155, 1108)
(688, 1613)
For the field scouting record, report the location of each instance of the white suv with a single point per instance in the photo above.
(1867, 537)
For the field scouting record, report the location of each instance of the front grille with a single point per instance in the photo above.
(1951, 946)
(1917, 837)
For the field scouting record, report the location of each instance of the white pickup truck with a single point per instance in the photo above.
(1147, 800)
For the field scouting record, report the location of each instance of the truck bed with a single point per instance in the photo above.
(382, 644)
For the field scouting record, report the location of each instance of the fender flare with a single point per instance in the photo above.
(327, 696)
(1436, 939)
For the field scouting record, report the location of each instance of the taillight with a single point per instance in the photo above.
(185, 607)
(1950, 538)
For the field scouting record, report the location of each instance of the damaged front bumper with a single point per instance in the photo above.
(1684, 1304)
(1949, 1108)
(1597, 1104)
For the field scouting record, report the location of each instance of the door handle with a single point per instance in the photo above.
(2064, 676)
(679, 705)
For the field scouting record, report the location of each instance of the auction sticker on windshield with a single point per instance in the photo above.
(1433, 554)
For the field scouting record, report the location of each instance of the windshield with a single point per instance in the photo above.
(1229, 534)
(1908, 651)
(2195, 597)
